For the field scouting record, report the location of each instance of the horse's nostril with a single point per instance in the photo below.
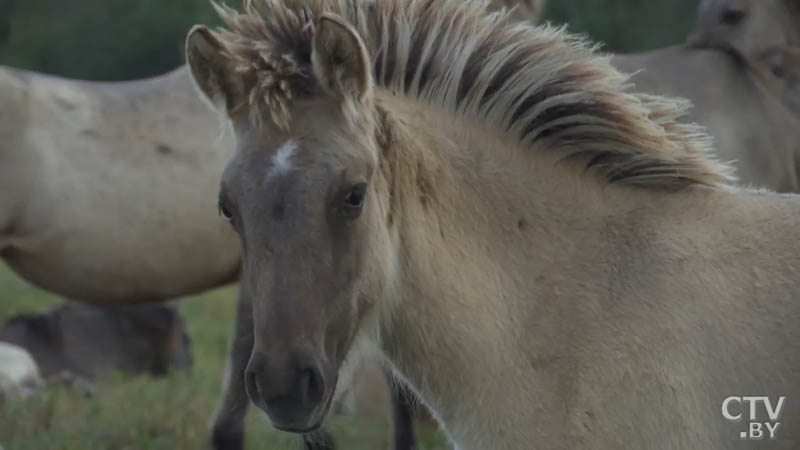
(254, 390)
(287, 391)
(732, 16)
(312, 386)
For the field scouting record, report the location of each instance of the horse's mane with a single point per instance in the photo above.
(548, 89)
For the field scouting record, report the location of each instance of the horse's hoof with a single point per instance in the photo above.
(320, 440)
(227, 440)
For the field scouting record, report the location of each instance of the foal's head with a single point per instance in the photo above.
(747, 26)
(302, 192)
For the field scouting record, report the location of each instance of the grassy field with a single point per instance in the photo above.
(148, 414)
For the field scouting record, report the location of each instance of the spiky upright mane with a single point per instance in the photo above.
(546, 88)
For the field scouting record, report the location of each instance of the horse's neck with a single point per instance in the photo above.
(504, 260)
(486, 231)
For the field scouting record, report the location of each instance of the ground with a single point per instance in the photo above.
(142, 413)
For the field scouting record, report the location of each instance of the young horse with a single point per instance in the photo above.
(742, 106)
(106, 196)
(763, 33)
(750, 27)
(548, 260)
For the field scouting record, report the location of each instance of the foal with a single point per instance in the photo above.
(546, 259)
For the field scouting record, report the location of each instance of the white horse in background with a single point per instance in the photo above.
(106, 189)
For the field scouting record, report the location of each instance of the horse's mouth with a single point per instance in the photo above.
(300, 430)
(310, 429)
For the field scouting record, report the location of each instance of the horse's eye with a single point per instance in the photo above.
(732, 16)
(354, 200)
(224, 211)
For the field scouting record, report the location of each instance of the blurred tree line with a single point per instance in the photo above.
(98, 39)
(626, 26)
(125, 39)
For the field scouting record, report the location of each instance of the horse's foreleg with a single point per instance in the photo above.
(402, 416)
(228, 429)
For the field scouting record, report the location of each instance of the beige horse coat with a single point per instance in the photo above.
(107, 190)
(741, 97)
(564, 271)
(765, 33)
(751, 125)
(751, 27)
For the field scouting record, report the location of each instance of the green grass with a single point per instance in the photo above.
(144, 413)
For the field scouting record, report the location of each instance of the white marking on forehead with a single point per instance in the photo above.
(282, 161)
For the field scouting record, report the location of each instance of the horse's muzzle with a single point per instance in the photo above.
(294, 392)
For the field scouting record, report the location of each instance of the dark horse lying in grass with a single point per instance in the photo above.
(86, 341)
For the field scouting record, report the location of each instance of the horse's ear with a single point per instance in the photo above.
(340, 60)
(212, 69)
